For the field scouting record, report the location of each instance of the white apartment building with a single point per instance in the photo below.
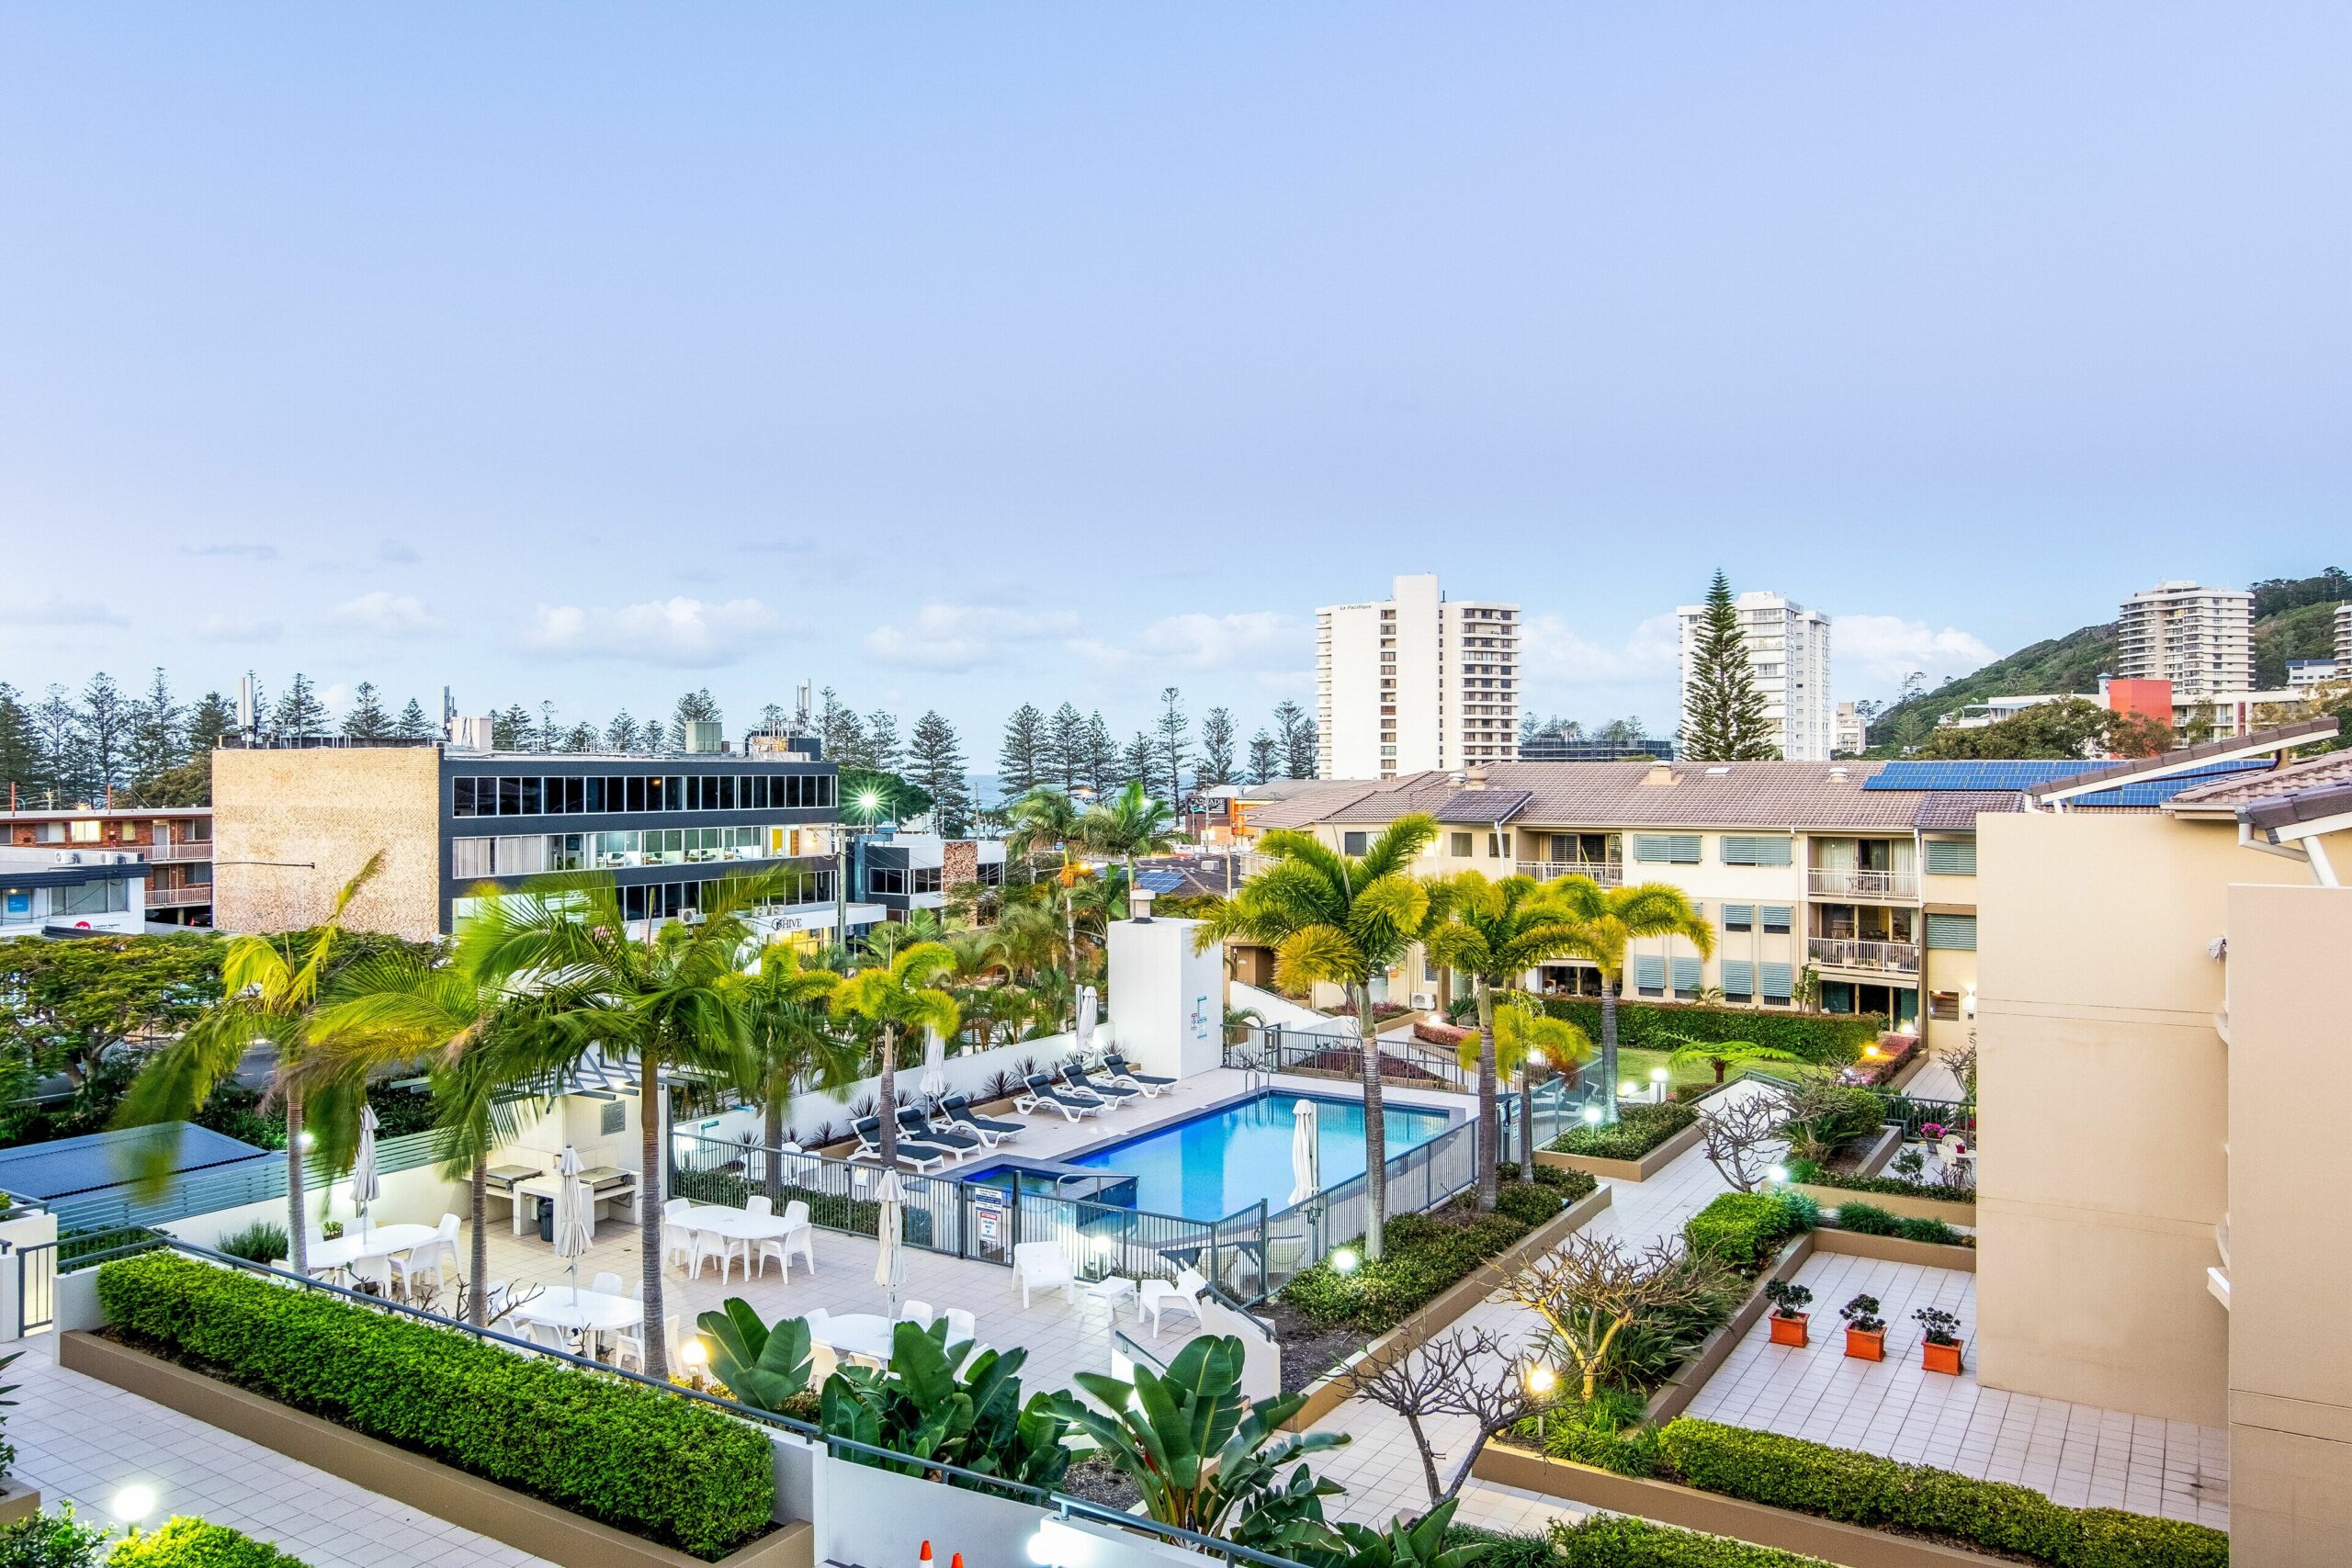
(2343, 636)
(1415, 681)
(1851, 734)
(2202, 639)
(1788, 650)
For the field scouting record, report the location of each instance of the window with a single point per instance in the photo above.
(1649, 975)
(1739, 918)
(531, 795)
(510, 798)
(1354, 844)
(1459, 846)
(991, 874)
(1777, 918)
(48, 833)
(1739, 980)
(1499, 846)
(1666, 849)
(89, 899)
(1776, 981)
(1953, 932)
(85, 830)
(1687, 976)
(1943, 1005)
(926, 879)
(1952, 857)
(469, 858)
(886, 879)
(1747, 849)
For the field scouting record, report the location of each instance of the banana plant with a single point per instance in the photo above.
(1418, 1545)
(761, 1367)
(938, 1404)
(1205, 1458)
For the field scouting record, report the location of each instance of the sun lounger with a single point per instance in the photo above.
(1116, 1065)
(1042, 1094)
(911, 1124)
(1075, 1078)
(923, 1157)
(956, 1111)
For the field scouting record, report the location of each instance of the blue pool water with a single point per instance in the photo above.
(1224, 1161)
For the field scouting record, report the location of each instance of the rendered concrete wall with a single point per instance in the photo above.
(1167, 1001)
(2290, 1258)
(290, 827)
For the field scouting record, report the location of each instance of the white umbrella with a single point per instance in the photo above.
(573, 1229)
(366, 1185)
(889, 1230)
(933, 1082)
(1089, 1010)
(1306, 1153)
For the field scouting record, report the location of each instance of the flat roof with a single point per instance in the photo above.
(66, 1167)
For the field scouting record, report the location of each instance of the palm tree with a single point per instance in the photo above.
(883, 940)
(1131, 823)
(1526, 1037)
(1043, 818)
(677, 1000)
(1030, 936)
(896, 998)
(1343, 921)
(794, 1048)
(1495, 932)
(1608, 920)
(269, 988)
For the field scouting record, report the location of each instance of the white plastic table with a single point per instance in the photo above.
(863, 1334)
(582, 1312)
(522, 1193)
(736, 1224)
(1112, 1290)
(383, 1241)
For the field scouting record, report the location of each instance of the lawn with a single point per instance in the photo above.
(1637, 1065)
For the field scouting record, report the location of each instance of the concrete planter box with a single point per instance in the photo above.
(1640, 1169)
(1667, 1503)
(542, 1530)
(1672, 1399)
(1329, 1391)
(1894, 1249)
(17, 1501)
(1951, 1213)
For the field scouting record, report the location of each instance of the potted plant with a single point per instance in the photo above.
(331, 1230)
(1788, 1319)
(1940, 1350)
(1865, 1330)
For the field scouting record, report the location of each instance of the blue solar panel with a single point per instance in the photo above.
(1158, 882)
(2016, 775)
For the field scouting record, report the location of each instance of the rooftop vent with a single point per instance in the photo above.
(1836, 773)
(1660, 773)
(1717, 773)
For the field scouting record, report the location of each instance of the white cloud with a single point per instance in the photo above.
(1875, 652)
(237, 628)
(1277, 651)
(1550, 650)
(386, 614)
(678, 631)
(954, 637)
(54, 610)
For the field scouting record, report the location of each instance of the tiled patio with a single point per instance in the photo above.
(2076, 1454)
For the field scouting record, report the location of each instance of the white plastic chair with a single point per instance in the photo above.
(553, 1337)
(822, 1364)
(432, 1258)
(372, 1270)
(677, 1242)
(799, 1237)
(1159, 1297)
(757, 1203)
(916, 1312)
(961, 1325)
(725, 1248)
(608, 1283)
(1040, 1265)
(631, 1346)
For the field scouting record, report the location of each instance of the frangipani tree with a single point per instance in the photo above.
(268, 987)
(1494, 932)
(1342, 920)
(896, 998)
(1609, 920)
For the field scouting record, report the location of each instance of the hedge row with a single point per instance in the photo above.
(1637, 1130)
(1832, 1040)
(1883, 1494)
(1814, 1175)
(192, 1543)
(1423, 1255)
(1743, 1230)
(1604, 1541)
(1868, 1219)
(629, 1456)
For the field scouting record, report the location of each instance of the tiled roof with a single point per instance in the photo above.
(1956, 812)
(2295, 734)
(1826, 795)
(1484, 805)
(2228, 794)
(2303, 806)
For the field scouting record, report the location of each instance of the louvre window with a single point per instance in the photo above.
(1666, 849)
(1649, 975)
(1953, 933)
(1775, 981)
(1747, 849)
(1739, 980)
(1778, 917)
(1739, 916)
(1687, 977)
(1952, 857)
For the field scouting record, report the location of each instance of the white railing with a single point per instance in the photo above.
(1830, 884)
(1608, 873)
(193, 894)
(1842, 952)
(186, 850)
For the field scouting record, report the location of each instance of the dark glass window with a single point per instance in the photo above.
(575, 795)
(510, 798)
(531, 796)
(673, 797)
(632, 903)
(636, 795)
(760, 793)
(592, 794)
(926, 879)
(886, 879)
(461, 799)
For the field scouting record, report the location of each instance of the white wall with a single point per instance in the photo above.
(408, 1197)
(1169, 999)
(872, 1516)
(967, 1074)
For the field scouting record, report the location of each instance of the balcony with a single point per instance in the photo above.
(1822, 883)
(193, 895)
(1885, 957)
(163, 852)
(1608, 873)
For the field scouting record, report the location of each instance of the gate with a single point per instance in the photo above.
(36, 1288)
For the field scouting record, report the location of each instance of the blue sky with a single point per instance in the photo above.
(954, 355)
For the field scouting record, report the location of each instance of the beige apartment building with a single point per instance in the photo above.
(1415, 681)
(2200, 639)
(2164, 1176)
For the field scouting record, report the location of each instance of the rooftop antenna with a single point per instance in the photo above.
(248, 709)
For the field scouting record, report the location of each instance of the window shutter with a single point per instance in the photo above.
(1952, 857)
(1777, 917)
(1649, 970)
(1755, 849)
(1739, 916)
(1687, 975)
(1953, 932)
(1666, 849)
(1739, 977)
(1775, 979)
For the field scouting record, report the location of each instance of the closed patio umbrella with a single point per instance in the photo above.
(574, 1231)
(1090, 1009)
(890, 1263)
(366, 1186)
(933, 1082)
(1305, 1152)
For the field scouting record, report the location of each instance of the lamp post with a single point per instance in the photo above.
(863, 806)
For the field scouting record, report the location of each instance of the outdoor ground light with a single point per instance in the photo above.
(1344, 1261)
(1779, 1173)
(1592, 1115)
(309, 1138)
(1658, 1075)
(133, 1504)
(1540, 1379)
(1625, 1088)
(694, 1352)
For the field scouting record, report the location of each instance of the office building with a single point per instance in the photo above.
(906, 872)
(1788, 651)
(2202, 639)
(70, 893)
(2303, 673)
(175, 843)
(293, 821)
(1415, 680)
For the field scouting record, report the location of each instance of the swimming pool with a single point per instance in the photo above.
(1223, 1161)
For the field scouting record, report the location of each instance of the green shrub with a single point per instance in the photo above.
(1603, 1540)
(1503, 1548)
(51, 1540)
(1932, 1231)
(1867, 1219)
(192, 1543)
(1812, 1174)
(1741, 1230)
(1612, 1432)
(1834, 1040)
(1882, 1493)
(1540, 1201)
(264, 1240)
(1823, 1116)
(1637, 1131)
(631, 1457)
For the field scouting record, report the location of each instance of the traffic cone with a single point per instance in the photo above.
(924, 1560)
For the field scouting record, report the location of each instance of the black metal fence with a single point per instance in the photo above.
(1272, 1048)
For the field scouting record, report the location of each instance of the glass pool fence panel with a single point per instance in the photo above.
(1421, 1179)
(1271, 1048)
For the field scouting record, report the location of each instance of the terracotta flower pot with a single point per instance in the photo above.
(1788, 1330)
(1939, 1358)
(1866, 1344)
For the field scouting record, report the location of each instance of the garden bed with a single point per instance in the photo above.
(1644, 1141)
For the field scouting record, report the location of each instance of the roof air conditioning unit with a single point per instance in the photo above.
(705, 737)
(126, 860)
(690, 917)
(69, 857)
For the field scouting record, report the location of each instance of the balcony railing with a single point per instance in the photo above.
(1828, 884)
(1844, 953)
(1608, 873)
(162, 851)
(193, 895)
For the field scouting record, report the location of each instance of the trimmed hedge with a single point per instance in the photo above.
(1814, 1175)
(1882, 1493)
(1744, 1229)
(1605, 1541)
(1422, 1256)
(1826, 1039)
(192, 1543)
(1637, 1131)
(629, 1456)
